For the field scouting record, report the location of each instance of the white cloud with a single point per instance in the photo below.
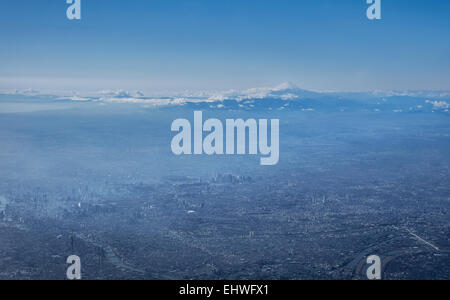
(284, 91)
(438, 104)
(26, 92)
(248, 97)
(409, 93)
(122, 94)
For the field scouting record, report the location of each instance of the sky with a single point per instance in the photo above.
(157, 45)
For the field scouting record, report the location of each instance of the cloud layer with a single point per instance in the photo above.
(282, 97)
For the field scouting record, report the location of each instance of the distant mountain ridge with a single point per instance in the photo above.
(286, 96)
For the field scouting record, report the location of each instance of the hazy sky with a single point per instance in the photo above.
(219, 44)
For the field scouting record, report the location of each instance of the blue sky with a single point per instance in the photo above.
(154, 45)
